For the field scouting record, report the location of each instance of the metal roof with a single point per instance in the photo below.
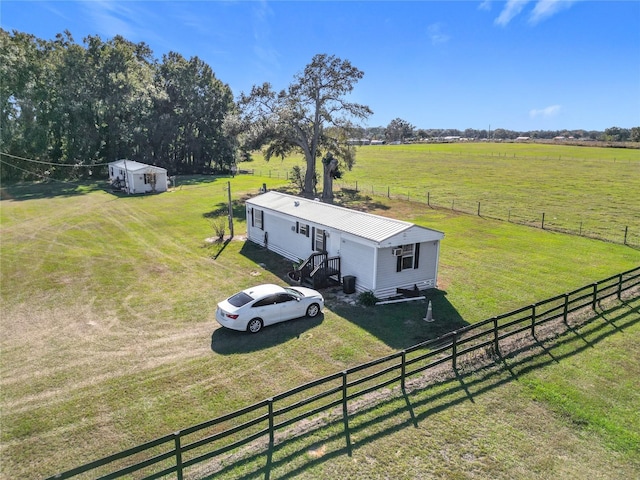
(133, 166)
(366, 225)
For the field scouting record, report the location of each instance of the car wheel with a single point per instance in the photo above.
(313, 310)
(254, 326)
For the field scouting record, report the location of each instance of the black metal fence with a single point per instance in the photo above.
(175, 454)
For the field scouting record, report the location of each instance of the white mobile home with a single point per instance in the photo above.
(382, 254)
(135, 177)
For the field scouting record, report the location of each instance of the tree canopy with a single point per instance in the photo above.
(398, 130)
(310, 116)
(66, 104)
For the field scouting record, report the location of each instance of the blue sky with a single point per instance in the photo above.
(520, 65)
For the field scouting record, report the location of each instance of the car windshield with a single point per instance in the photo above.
(240, 299)
(293, 292)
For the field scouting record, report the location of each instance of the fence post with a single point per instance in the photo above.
(595, 296)
(509, 217)
(566, 307)
(533, 320)
(271, 433)
(454, 350)
(403, 371)
(478, 208)
(542, 220)
(580, 229)
(388, 192)
(620, 287)
(178, 448)
(626, 230)
(496, 343)
(344, 393)
(356, 186)
(428, 199)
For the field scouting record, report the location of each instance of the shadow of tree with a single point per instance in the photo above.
(222, 209)
(49, 189)
(356, 200)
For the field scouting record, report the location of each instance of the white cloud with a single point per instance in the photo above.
(550, 111)
(436, 34)
(547, 8)
(486, 5)
(542, 10)
(510, 10)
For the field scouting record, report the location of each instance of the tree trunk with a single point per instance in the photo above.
(327, 181)
(309, 176)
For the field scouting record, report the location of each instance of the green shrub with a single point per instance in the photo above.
(368, 299)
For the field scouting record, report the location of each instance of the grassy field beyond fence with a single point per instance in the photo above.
(581, 190)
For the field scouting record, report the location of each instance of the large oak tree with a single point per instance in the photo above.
(310, 116)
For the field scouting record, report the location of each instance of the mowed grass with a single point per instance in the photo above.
(587, 190)
(109, 337)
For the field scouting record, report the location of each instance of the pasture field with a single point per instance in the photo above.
(592, 191)
(109, 339)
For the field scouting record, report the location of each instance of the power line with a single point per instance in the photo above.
(45, 177)
(52, 163)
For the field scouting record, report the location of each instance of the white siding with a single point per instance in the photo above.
(388, 279)
(358, 260)
(281, 235)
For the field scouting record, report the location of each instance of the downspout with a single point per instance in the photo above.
(435, 280)
(126, 177)
(375, 267)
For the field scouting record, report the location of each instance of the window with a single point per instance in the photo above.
(257, 218)
(302, 229)
(268, 300)
(409, 257)
(240, 299)
(285, 297)
(320, 240)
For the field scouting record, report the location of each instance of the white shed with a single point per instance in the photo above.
(135, 177)
(334, 242)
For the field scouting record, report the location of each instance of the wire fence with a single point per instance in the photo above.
(185, 451)
(552, 218)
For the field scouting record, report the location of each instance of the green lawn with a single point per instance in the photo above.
(109, 338)
(593, 191)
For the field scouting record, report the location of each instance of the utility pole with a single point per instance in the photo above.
(230, 210)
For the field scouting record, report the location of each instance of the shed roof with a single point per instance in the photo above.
(365, 225)
(133, 166)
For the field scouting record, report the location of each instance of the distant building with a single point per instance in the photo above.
(135, 177)
(358, 141)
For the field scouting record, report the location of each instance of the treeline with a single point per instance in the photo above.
(66, 104)
(399, 130)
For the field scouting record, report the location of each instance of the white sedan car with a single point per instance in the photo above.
(263, 305)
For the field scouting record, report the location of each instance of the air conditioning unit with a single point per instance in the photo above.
(397, 252)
